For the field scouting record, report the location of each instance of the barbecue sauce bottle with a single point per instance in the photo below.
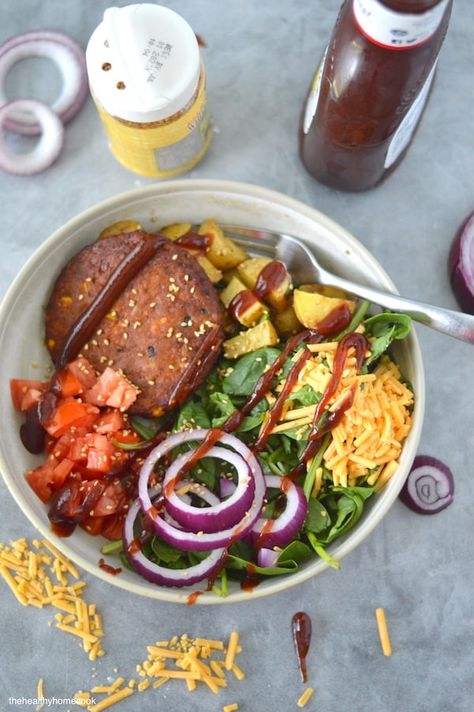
(370, 89)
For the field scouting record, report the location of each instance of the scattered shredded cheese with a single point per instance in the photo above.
(27, 573)
(230, 708)
(383, 632)
(188, 656)
(305, 697)
(40, 695)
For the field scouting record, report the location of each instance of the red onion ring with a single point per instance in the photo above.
(219, 516)
(267, 557)
(190, 541)
(286, 527)
(159, 574)
(70, 60)
(45, 152)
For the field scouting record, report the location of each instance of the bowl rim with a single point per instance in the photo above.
(235, 188)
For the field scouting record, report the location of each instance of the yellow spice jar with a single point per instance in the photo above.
(149, 86)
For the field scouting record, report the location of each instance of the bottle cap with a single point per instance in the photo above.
(143, 62)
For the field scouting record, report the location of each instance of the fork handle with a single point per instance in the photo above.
(454, 323)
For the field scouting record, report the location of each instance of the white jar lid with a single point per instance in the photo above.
(143, 62)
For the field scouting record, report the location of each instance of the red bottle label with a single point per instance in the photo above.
(396, 30)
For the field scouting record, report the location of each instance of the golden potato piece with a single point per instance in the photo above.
(119, 228)
(286, 322)
(249, 271)
(222, 252)
(253, 309)
(214, 274)
(176, 230)
(311, 307)
(257, 337)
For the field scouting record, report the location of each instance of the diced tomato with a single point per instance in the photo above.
(83, 371)
(68, 383)
(93, 525)
(61, 471)
(70, 412)
(112, 526)
(99, 451)
(112, 389)
(94, 450)
(41, 479)
(111, 501)
(26, 393)
(110, 422)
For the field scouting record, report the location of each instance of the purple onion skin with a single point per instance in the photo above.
(445, 472)
(464, 292)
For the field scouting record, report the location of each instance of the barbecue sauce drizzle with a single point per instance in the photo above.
(269, 279)
(301, 630)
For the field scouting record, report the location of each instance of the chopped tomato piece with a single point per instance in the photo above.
(94, 450)
(42, 480)
(70, 412)
(110, 422)
(93, 525)
(68, 383)
(111, 501)
(61, 471)
(112, 389)
(112, 526)
(83, 371)
(26, 393)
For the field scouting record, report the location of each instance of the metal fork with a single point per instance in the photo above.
(305, 268)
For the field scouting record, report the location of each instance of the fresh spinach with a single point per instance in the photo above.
(305, 396)
(241, 381)
(385, 328)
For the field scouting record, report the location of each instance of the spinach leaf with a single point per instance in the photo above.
(164, 552)
(223, 407)
(385, 328)
(192, 415)
(317, 519)
(247, 370)
(318, 546)
(295, 551)
(306, 395)
(346, 509)
(146, 427)
(235, 562)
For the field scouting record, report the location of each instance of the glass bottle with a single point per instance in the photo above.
(370, 89)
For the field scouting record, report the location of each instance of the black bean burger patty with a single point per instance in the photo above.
(164, 331)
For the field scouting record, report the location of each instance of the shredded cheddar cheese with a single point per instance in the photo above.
(368, 440)
(383, 632)
(188, 655)
(28, 574)
(305, 697)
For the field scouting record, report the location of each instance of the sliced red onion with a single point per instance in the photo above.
(429, 487)
(159, 574)
(226, 487)
(280, 531)
(461, 265)
(217, 517)
(267, 557)
(190, 541)
(45, 152)
(70, 60)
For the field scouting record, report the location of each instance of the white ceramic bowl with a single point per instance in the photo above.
(156, 205)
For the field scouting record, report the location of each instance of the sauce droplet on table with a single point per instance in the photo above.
(301, 630)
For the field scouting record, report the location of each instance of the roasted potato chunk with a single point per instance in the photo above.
(252, 308)
(311, 307)
(222, 252)
(259, 336)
